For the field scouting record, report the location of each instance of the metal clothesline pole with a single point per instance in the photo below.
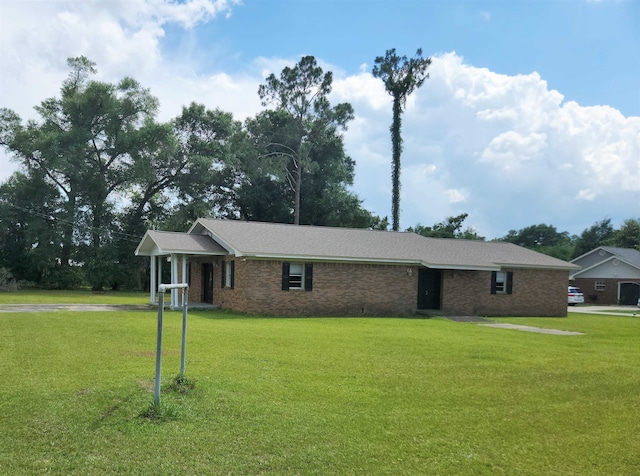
(161, 290)
(183, 352)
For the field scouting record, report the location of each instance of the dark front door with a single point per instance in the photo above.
(629, 293)
(207, 283)
(429, 288)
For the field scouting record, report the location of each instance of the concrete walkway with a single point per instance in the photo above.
(602, 310)
(540, 330)
(94, 307)
(606, 310)
(72, 307)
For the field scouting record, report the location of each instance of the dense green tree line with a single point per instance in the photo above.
(546, 239)
(98, 169)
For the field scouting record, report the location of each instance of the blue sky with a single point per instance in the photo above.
(531, 114)
(590, 51)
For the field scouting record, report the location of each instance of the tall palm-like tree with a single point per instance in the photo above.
(401, 76)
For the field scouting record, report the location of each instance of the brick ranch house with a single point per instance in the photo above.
(278, 269)
(608, 275)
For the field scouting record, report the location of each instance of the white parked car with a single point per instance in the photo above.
(575, 296)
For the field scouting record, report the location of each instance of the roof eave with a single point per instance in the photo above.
(161, 252)
(567, 267)
(142, 242)
(364, 260)
(278, 256)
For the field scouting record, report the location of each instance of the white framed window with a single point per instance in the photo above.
(297, 276)
(228, 274)
(501, 282)
(600, 286)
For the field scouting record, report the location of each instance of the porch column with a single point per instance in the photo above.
(152, 275)
(159, 278)
(184, 273)
(174, 280)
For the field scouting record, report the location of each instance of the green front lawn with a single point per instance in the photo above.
(318, 396)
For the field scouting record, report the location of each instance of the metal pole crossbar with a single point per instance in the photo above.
(162, 289)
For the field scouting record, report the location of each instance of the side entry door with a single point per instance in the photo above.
(429, 286)
(207, 283)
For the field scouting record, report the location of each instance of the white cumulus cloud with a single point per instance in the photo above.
(505, 149)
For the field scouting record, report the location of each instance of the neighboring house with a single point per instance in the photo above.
(608, 275)
(277, 269)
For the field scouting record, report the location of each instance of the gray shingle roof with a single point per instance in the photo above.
(273, 240)
(166, 242)
(628, 255)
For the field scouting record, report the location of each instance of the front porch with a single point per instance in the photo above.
(176, 250)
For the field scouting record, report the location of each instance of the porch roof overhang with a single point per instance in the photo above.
(163, 243)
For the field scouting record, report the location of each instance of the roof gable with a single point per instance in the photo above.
(597, 262)
(628, 255)
(604, 256)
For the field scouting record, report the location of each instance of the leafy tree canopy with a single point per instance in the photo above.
(300, 96)
(98, 170)
(449, 228)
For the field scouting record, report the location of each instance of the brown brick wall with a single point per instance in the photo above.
(535, 293)
(338, 290)
(195, 285)
(591, 296)
(383, 290)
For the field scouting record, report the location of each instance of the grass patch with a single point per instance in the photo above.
(182, 384)
(318, 396)
(44, 296)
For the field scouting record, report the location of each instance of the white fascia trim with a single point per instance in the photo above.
(568, 267)
(142, 242)
(197, 222)
(460, 267)
(328, 258)
(191, 252)
(334, 259)
(230, 249)
(207, 231)
(591, 252)
(610, 258)
(159, 252)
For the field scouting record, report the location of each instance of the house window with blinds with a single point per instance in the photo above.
(501, 282)
(297, 276)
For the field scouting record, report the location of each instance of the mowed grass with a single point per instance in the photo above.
(318, 396)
